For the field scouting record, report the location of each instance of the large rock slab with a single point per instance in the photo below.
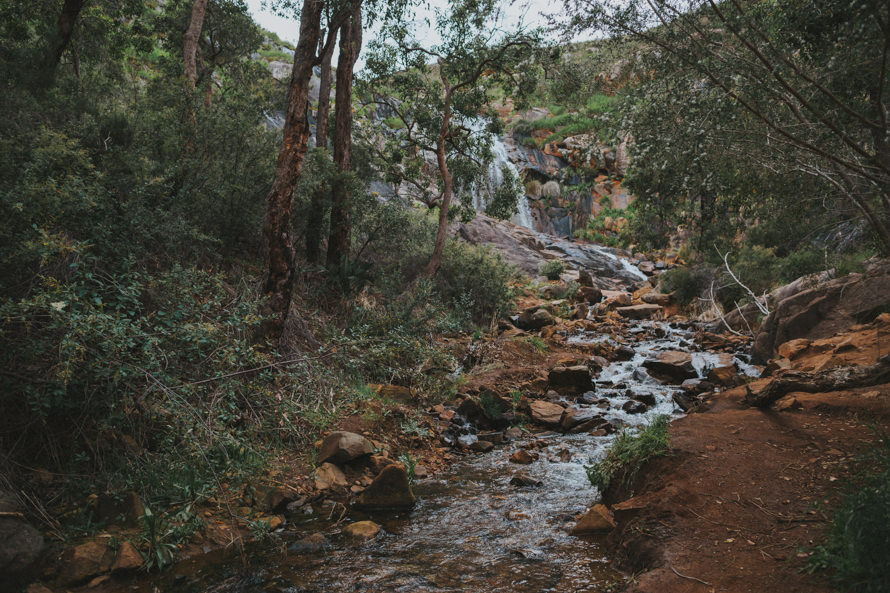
(672, 367)
(343, 447)
(572, 378)
(546, 413)
(390, 490)
(639, 311)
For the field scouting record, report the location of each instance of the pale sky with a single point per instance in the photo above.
(529, 12)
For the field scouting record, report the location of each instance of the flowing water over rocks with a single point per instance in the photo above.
(472, 529)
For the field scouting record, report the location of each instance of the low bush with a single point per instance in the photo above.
(629, 453)
(687, 284)
(552, 269)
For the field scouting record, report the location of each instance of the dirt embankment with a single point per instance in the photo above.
(745, 491)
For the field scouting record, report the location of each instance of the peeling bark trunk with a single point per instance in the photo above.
(341, 226)
(318, 204)
(278, 248)
(447, 186)
(64, 29)
(849, 377)
(190, 66)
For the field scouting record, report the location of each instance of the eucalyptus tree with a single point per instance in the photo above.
(438, 96)
(806, 83)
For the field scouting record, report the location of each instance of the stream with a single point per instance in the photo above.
(471, 529)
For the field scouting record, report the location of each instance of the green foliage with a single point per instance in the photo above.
(504, 203)
(857, 549)
(411, 426)
(410, 463)
(629, 453)
(686, 283)
(552, 269)
(537, 343)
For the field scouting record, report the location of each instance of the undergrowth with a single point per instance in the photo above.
(629, 452)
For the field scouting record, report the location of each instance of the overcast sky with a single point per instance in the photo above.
(529, 12)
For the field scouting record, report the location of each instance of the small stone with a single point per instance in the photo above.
(128, 558)
(522, 479)
(311, 543)
(363, 530)
(523, 457)
(634, 407)
(596, 520)
(482, 446)
(329, 476)
(389, 490)
(98, 581)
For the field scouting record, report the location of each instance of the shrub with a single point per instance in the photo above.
(686, 283)
(629, 453)
(552, 269)
(857, 550)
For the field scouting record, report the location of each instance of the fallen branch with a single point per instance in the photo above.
(683, 576)
(847, 377)
(759, 302)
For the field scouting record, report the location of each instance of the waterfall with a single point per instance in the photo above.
(522, 218)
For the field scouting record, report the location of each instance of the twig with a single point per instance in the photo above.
(683, 576)
(760, 304)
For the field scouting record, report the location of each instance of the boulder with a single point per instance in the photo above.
(657, 298)
(83, 562)
(523, 457)
(471, 410)
(672, 366)
(573, 378)
(590, 294)
(724, 376)
(616, 298)
(329, 476)
(20, 547)
(585, 279)
(598, 519)
(362, 530)
(534, 319)
(546, 413)
(315, 542)
(574, 417)
(634, 407)
(646, 398)
(343, 447)
(482, 446)
(818, 306)
(639, 311)
(522, 479)
(390, 490)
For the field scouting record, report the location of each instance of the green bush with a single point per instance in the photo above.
(687, 284)
(856, 553)
(552, 269)
(629, 453)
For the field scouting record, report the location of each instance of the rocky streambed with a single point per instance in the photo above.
(504, 517)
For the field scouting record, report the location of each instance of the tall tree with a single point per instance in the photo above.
(61, 36)
(442, 106)
(319, 200)
(811, 77)
(341, 228)
(190, 43)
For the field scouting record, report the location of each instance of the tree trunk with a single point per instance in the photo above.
(350, 46)
(190, 44)
(447, 186)
(848, 377)
(318, 205)
(64, 29)
(279, 278)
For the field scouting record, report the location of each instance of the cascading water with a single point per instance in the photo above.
(522, 218)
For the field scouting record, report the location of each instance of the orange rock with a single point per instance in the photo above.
(597, 520)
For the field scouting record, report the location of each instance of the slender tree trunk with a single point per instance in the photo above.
(350, 46)
(318, 205)
(279, 279)
(190, 66)
(447, 187)
(64, 29)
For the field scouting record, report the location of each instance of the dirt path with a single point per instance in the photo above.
(738, 503)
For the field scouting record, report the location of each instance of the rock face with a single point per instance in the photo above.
(596, 520)
(823, 309)
(343, 447)
(20, 543)
(390, 490)
(574, 378)
(546, 413)
(672, 367)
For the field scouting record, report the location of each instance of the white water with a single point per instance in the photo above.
(495, 176)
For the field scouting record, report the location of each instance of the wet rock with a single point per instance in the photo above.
(272, 498)
(343, 447)
(597, 363)
(522, 479)
(725, 376)
(657, 298)
(639, 311)
(573, 417)
(309, 544)
(646, 267)
(684, 402)
(523, 457)
(546, 413)
(646, 398)
(596, 520)
(389, 490)
(471, 409)
(482, 446)
(328, 476)
(83, 562)
(491, 437)
(513, 433)
(634, 407)
(615, 298)
(128, 559)
(588, 397)
(362, 530)
(535, 318)
(585, 279)
(572, 378)
(564, 455)
(624, 352)
(20, 543)
(672, 367)
(38, 588)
